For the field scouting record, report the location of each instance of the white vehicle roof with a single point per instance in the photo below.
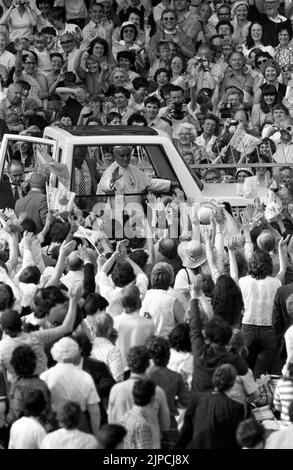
(85, 135)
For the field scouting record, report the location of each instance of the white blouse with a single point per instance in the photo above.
(258, 297)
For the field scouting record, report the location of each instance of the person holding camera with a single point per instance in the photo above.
(177, 111)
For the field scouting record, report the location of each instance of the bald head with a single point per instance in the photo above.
(14, 93)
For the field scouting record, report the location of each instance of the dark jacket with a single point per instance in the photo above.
(207, 358)
(103, 382)
(35, 205)
(210, 422)
(94, 175)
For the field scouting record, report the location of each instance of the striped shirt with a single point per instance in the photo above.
(283, 397)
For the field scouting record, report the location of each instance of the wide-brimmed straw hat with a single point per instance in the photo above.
(192, 254)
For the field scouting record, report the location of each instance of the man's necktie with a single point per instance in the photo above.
(81, 188)
(16, 193)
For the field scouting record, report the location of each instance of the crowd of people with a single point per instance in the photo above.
(150, 341)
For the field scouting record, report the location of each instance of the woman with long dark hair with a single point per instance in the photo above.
(227, 300)
(255, 38)
(262, 112)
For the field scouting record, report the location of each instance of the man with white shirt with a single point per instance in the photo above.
(95, 27)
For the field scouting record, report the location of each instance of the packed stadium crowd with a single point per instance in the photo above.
(150, 341)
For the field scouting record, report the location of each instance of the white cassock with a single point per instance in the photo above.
(133, 181)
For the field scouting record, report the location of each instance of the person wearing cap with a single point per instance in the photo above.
(128, 36)
(242, 174)
(35, 202)
(67, 382)
(193, 257)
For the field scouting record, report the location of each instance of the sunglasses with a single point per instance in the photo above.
(66, 42)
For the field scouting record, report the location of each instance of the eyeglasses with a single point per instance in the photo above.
(66, 42)
(259, 62)
(168, 18)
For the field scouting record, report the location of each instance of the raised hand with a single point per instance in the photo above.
(4, 277)
(121, 248)
(28, 238)
(11, 216)
(67, 248)
(75, 292)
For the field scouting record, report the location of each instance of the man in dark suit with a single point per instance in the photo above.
(15, 170)
(85, 174)
(35, 202)
(282, 319)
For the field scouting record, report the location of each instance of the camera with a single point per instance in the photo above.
(177, 112)
(204, 62)
(226, 111)
(233, 123)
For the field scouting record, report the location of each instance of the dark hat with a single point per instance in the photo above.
(38, 180)
(10, 320)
